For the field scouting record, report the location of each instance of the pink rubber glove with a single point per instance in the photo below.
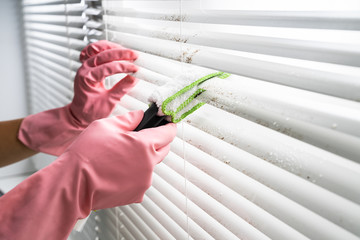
(54, 130)
(107, 165)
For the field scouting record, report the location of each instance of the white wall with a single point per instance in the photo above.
(12, 88)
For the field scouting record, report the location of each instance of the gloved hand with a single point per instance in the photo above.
(54, 130)
(107, 165)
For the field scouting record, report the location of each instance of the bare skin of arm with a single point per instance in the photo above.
(11, 149)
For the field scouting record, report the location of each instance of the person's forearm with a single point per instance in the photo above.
(11, 148)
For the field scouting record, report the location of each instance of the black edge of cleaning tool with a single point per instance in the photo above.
(150, 119)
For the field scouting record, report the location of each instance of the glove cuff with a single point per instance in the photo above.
(54, 198)
(50, 131)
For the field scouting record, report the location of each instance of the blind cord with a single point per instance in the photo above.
(117, 216)
(106, 24)
(68, 40)
(182, 129)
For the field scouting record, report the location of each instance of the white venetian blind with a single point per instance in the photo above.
(54, 37)
(276, 152)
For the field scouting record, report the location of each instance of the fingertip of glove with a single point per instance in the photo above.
(131, 67)
(134, 55)
(82, 56)
(123, 86)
